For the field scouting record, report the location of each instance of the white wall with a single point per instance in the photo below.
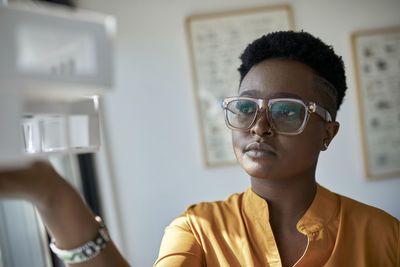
(156, 155)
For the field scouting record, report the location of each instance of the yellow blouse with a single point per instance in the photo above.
(236, 232)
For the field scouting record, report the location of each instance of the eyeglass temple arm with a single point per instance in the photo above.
(321, 112)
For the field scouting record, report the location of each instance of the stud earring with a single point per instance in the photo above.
(325, 145)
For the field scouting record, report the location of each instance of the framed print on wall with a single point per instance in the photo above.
(215, 43)
(377, 67)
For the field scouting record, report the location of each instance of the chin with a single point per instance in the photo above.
(261, 175)
(258, 169)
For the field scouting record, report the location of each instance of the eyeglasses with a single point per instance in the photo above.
(285, 115)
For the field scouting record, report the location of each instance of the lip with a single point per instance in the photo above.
(259, 150)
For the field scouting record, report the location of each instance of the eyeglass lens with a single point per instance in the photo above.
(285, 116)
(241, 113)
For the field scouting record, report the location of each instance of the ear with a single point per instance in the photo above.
(331, 129)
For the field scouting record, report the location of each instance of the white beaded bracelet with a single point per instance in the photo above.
(85, 252)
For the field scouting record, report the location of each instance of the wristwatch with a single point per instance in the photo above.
(87, 251)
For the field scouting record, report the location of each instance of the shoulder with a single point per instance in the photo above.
(205, 217)
(362, 215)
(362, 229)
(230, 204)
(364, 210)
(215, 214)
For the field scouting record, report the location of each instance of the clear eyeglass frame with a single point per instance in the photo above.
(312, 107)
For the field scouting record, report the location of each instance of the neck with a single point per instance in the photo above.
(288, 199)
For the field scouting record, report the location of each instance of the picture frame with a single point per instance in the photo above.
(215, 42)
(377, 69)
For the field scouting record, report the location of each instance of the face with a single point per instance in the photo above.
(269, 155)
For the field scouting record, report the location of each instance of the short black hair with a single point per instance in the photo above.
(305, 48)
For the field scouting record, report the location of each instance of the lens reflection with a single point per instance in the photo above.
(241, 113)
(287, 116)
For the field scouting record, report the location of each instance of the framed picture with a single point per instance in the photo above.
(377, 67)
(215, 43)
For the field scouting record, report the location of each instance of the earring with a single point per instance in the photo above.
(325, 145)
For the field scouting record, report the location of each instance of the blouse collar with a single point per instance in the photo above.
(323, 208)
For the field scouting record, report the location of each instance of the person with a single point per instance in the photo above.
(291, 87)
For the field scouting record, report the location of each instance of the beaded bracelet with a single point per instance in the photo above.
(87, 251)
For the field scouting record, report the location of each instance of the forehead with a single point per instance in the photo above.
(279, 77)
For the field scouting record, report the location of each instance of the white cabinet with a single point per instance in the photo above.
(54, 64)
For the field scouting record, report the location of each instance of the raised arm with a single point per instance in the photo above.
(68, 219)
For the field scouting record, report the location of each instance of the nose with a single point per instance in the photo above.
(261, 126)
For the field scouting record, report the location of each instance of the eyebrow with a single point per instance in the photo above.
(274, 95)
(248, 93)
